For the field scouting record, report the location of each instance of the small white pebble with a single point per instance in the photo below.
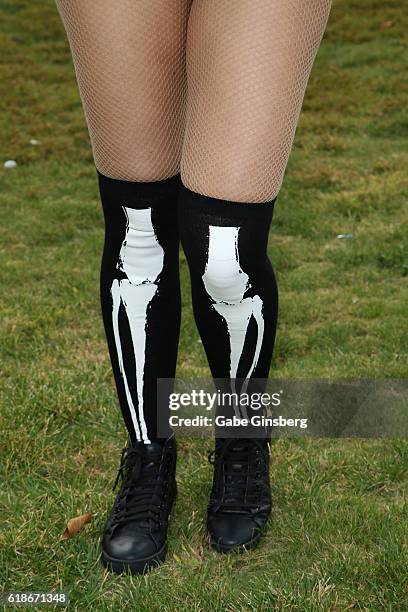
(10, 163)
(344, 235)
(34, 142)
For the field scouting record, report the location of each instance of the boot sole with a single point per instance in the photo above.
(137, 566)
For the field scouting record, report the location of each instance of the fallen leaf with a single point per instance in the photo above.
(75, 525)
(386, 25)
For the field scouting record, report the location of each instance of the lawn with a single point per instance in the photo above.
(338, 535)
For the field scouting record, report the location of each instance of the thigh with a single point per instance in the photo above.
(129, 58)
(248, 63)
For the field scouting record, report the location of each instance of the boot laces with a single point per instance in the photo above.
(240, 467)
(140, 499)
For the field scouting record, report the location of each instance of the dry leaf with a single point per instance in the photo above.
(386, 25)
(75, 525)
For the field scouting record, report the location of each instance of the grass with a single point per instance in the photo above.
(338, 538)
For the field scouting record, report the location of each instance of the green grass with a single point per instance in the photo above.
(338, 538)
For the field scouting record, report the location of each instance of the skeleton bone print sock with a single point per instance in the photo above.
(140, 293)
(234, 291)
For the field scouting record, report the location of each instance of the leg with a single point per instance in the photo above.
(247, 67)
(129, 61)
(234, 290)
(247, 73)
(140, 294)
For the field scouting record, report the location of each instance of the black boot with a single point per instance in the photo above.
(240, 501)
(134, 537)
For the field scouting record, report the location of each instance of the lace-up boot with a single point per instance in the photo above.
(240, 501)
(134, 536)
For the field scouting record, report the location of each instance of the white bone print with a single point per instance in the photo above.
(226, 283)
(141, 258)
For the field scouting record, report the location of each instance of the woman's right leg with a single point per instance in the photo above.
(130, 66)
(129, 62)
(129, 59)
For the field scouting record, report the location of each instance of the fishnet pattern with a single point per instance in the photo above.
(129, 59)
(248, 63)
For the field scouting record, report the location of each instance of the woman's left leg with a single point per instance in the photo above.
(248, 65)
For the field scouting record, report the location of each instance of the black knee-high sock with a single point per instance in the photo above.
(140, 293)
(235, 295)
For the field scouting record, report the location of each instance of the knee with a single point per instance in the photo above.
(120, 160)
(216, 264)
(236, 181)
(141, 257)
(225, 244)
(225, 282)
